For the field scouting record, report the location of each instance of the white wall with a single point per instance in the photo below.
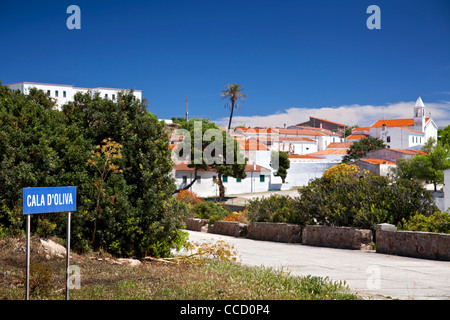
(301, 172)
(65, 93)
(446, 189)
(259, 157)
(205, 187)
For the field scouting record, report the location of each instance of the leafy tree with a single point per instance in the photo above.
(360, 148)
(348, 131)
(444, 136)
(233, 92)
(117, 155)
(426, 167)
(210, 148)
(280, 162)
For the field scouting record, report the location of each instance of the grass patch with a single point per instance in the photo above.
(204, 280)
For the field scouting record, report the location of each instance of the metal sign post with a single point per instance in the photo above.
(27, 276)
(53, 199)
(68, 256)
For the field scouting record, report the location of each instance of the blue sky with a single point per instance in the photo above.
(313, 57)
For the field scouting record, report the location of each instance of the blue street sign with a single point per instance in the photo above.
(53, 199)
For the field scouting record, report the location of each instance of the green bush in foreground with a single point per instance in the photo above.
(436, 222)
(115, 152)
(343, 197)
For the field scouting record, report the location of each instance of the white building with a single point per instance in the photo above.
(63, 93)
(258, 180)
(446, 190)
(410, 133)
(304, 168)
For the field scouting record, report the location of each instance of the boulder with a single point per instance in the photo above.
(53, 248)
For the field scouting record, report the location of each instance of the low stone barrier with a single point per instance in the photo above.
(337, 237)
(427, 245)
(279, 232)
(229, 228)
(196, 224)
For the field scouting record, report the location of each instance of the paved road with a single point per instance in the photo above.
(369, 273)
(242, 199)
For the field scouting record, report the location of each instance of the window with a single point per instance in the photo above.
(184, 179)
(48, 93)
(199, 180)
(238, 180)
(114, 96)
(224, 178)
(56, 93)
(261, 178)
(106, 96)
(388, 139)
(64, 94)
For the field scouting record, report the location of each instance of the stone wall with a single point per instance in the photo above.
(196, 224)
(337, 237)
(428, 245)
(229, 228)
(278, 232)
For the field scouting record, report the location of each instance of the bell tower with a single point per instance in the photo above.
(419, 115)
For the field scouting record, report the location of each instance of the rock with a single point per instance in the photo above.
(129, 262)
(53, 248)
(386, 227)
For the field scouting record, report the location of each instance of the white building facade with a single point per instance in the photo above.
(63, 93)
(410, 133)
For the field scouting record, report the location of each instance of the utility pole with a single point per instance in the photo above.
(186, 110)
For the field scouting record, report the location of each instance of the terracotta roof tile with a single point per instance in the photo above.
(378, 161)
(339, 145)
(303, 156)
(396, 123)
(356, 136)
(329, 152)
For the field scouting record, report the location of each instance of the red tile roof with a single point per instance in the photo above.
(356, 136)
(258, 130)
(335, 145)
(329, 151)
(303, 156)
(409, 152)
(396, 123)
(297, 132)
(377, 161)
(252, 145)
(339, 124)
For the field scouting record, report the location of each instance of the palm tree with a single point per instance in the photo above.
(234, 93)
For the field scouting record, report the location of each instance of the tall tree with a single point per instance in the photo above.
(233, 92)
(427, 167)
(444, 135)
(210, 148)
(117, 155)
(359, 148)
(279, 160)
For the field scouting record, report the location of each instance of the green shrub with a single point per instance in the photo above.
(276, 208)
(210, 210)
(345, 198)
(436, 222)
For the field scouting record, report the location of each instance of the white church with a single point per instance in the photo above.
(411, 133)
